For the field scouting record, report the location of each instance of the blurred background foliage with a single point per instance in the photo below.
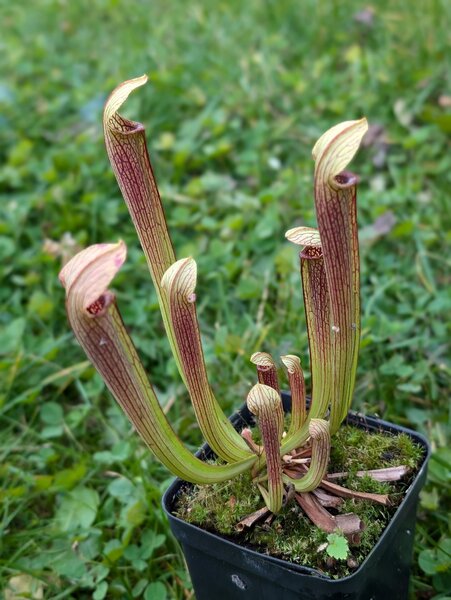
(238, 94)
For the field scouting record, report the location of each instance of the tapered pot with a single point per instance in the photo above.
(223, 570)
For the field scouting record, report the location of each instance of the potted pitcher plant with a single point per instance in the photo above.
(280, 443)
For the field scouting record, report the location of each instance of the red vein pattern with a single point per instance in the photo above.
(304, 236)
(297, 388)
(112, 352)
(337, 223)
(264, 402)
(267, 375)
(98, 327)
(320, 434)
(179, 284)
(335, 202)
(126, 145)
(316, 303)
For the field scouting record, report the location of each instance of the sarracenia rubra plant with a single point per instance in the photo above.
(329, 266)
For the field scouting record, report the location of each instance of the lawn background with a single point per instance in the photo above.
(237, 95)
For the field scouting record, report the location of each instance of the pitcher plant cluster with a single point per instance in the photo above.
(329, 267)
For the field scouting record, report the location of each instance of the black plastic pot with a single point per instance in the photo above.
(223, 570)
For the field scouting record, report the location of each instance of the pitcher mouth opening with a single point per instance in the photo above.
(346, 179)
(311, 252)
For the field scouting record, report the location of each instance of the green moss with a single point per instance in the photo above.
(291, 536)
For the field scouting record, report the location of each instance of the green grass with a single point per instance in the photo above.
(238, 94)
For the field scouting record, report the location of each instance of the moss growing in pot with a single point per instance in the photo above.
(291, 536)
